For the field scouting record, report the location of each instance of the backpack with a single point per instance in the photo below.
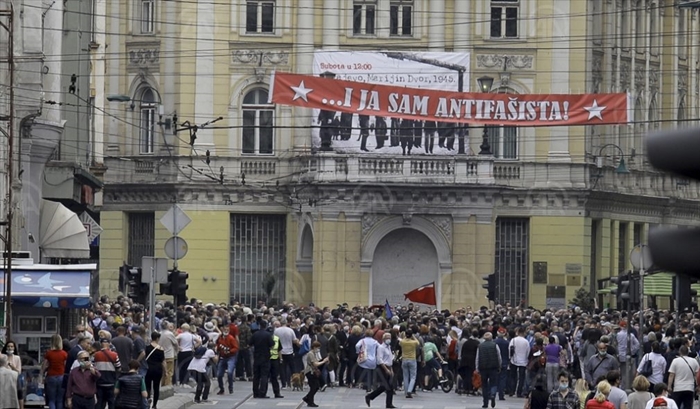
(305, 347)
(96, 328)
(199, 352)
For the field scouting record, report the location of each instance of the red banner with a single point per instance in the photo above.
(444, 106)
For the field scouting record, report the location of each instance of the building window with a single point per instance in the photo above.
(622, 249)
(147, 122)
(625, 32)
(148, 16)
(640, 16)
(401, 18)
(258, 123)
(504, 18)
(653, 28)
(681, 33)
(503, 141)
(363, 17)
(512, 247)
(597, 23)
(257, 252)
(595, 230)
(260, 17)
(142, 233)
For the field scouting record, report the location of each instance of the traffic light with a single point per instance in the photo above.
(635, 291)
(677, 152)
(622, 292)
(490, 286)
(179, 286)
(138, 291)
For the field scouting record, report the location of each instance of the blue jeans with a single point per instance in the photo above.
(500, 387)
(54, 391)
(223, 365)
(410, 370)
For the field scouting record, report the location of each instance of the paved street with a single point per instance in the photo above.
(339, 398)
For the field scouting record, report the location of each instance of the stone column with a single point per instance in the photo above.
(435, 20)
(303, 55)
(331, 24)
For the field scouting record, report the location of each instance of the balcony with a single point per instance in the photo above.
(332, 168)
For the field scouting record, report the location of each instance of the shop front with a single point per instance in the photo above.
(46, 300)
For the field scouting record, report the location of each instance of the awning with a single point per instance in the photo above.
(61, 233)
(50, 289)
(659, 284)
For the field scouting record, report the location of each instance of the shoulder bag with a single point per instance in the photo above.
(647, 368)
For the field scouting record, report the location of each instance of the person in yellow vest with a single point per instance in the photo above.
(275, 363)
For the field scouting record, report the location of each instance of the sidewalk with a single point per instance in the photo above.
(183, 398)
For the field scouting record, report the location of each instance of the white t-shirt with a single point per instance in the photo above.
(670, 403)
(521, 351)
(200, 365)
(684, 379)
(186, 341)
(287, 337)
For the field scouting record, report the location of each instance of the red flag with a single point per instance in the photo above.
(423, 295)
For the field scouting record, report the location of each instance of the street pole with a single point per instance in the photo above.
(152, 298)
(10, 171)
(641, 297)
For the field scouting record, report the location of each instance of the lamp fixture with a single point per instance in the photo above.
(620, 169)
(485, 84)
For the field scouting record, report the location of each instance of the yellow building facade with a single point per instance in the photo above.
(546, 211)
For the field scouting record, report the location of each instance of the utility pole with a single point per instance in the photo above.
(9, 27)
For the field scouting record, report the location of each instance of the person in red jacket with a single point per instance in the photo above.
(600, 400)
(227, 348)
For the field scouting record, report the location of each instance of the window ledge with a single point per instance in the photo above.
(270, 35)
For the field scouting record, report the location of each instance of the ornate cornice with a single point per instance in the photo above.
(511, 62)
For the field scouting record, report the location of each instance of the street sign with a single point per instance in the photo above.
(160, 265)
(176, 248)
(175, 220)
(640, 257)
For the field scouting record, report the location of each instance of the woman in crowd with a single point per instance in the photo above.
(312, 362)
(553, 352)
(600, 400)
(539, 396)
(658, 365)
(582, 390)
(155, 359)
(14, 362)
(130, 389)
(353, 370)
(53, 368)
(640, 396)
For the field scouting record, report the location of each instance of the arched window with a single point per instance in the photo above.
(653, 117)
(681, 113)
(503, 139)
(147, 121)
(258, 123)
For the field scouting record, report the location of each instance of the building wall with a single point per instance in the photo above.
(202, 67)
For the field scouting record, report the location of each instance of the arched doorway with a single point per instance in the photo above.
(404, 259)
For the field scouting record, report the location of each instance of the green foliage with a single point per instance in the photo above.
(584, 300)
(269, 284)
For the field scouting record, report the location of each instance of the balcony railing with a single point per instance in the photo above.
(417, 170)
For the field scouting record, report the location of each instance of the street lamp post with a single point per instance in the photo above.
(325, 120)
(485, 84)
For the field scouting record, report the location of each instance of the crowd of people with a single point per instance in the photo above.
(563, 359)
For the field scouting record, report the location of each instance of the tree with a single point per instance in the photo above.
(268, 285)
(584, 300)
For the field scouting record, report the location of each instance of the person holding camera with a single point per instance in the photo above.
(82, 384)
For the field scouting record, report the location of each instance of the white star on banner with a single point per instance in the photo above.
(300, 92)
(595, 111)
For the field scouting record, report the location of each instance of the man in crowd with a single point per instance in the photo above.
(82, 384)
(261, 342)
